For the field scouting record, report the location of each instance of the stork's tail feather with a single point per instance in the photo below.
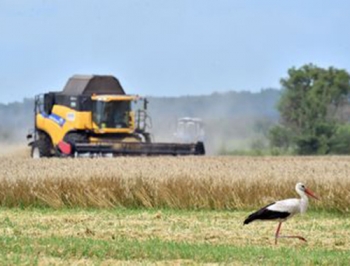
(256, 215)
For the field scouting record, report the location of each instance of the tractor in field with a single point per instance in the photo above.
(93, 116)
(189, 129)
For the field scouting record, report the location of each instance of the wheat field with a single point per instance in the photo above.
(221, 183)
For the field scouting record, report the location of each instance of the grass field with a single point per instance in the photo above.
(129, 237)
(169, 210)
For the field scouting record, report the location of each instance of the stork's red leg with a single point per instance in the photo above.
(277, 235)
(277, 232)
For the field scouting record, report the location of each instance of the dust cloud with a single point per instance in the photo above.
(232, 121)
(20, 150)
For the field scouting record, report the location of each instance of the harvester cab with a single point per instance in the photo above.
(92, 117)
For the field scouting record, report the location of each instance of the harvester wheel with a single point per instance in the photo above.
(41, 147)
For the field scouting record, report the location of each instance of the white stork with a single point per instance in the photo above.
(283, 210)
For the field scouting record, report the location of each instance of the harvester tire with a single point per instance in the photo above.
(41, 147)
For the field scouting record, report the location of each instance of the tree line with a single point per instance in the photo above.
(314, 112)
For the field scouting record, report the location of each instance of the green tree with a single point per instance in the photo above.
(340, 141)
(310, 104)
(280, 137)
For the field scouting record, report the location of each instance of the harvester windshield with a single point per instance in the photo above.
(112, 114)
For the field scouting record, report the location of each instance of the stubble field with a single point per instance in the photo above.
(169, 210)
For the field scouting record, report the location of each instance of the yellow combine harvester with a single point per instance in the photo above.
(93, 117)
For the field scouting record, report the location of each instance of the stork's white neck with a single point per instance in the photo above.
(304, 202)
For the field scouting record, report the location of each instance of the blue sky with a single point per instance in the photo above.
(167, 48)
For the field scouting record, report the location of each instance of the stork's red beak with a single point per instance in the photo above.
(310, 193)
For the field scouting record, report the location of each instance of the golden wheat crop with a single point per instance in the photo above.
(172, 182)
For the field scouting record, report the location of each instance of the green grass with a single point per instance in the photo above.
(24, 249)
(109, 237)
